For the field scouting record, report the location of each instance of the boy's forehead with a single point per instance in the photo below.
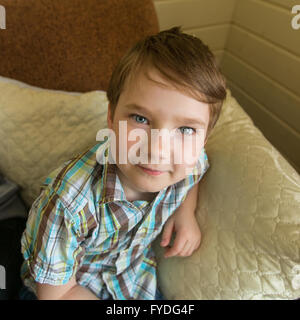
(151, 77)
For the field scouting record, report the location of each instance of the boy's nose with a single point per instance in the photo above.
(160, 146)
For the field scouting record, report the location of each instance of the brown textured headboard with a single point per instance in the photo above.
(70, 45)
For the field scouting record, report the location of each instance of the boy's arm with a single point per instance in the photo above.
(184, 223)
(68, 291)
(189, 204)
(49, 218)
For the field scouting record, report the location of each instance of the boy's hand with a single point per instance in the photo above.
(188, 234)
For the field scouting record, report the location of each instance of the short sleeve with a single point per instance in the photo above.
(200, 168)
(50, 243)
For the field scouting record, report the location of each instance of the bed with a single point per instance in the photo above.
(56, 59)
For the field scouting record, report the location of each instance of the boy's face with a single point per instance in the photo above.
(162, 108)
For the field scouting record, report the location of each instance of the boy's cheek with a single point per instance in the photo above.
(186, 158)
(181, 171)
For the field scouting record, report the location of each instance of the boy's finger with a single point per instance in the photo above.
(167, 233)
(187, 250)
(176, 248)
(193, 249)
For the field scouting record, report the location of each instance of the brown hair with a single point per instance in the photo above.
(184, 60)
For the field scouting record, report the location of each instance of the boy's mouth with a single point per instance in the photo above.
(150, 171)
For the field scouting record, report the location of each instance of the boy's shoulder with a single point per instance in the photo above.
(201, 167)
(76, 181)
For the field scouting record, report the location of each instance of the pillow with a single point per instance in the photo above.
(248, 212)
(40, 129)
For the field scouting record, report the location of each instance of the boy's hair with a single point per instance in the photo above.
(182, 59)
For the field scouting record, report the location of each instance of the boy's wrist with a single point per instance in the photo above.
(189, 205)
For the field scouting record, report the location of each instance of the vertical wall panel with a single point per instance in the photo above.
(262, 62)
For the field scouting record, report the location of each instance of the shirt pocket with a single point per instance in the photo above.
(135, 248)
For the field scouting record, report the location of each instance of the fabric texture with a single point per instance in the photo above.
(82, 224)
(40, 129)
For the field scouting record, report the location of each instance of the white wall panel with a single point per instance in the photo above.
(259, 53)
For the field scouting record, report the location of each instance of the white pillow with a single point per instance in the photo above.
(40, 129)
(249, 215)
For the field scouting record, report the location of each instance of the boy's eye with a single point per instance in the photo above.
(187, 130)
(138, 118)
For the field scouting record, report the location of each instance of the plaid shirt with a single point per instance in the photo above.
(82, 223)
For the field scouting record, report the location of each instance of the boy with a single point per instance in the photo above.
(89, 233)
